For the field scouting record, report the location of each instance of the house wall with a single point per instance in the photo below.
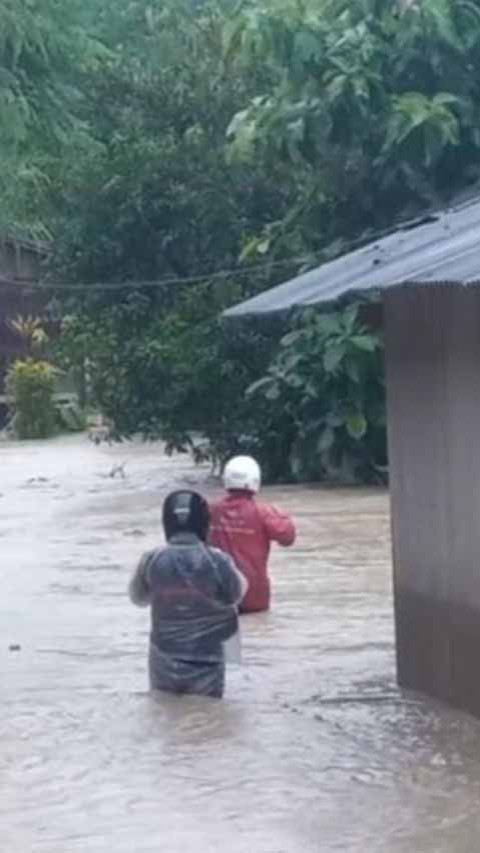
(19, 261)
(19, 265)
(433, 380)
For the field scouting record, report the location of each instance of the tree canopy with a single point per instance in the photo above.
(184, 155)
(371, 105)
(44, 53)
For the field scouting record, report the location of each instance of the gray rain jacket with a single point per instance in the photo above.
(194, 591)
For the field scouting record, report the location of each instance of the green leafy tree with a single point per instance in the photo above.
(371, 105)
(255, 138)
(327, 379)
(169, 208)
(44, 51)
(168, 203)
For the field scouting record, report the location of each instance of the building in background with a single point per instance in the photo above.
(428, 273)
(20, 269)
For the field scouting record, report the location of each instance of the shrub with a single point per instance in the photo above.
(30, 390)
(327, 383)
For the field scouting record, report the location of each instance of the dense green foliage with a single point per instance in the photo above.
(326, 383)
(169, 206)
(30, 390)
(44, 53)
(372, 108)
(215, 149)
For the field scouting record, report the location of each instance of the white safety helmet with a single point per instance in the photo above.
(242, 472)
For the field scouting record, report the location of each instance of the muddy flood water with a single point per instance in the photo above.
(313, 748)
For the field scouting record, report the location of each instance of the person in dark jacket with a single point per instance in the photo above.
(194, 592)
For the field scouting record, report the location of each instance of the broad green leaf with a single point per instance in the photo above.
(328, 324)
(349, 317)
(333, 357)
(273, 393)
(291, 361)
(292, 338)
(263, 246)
(356, 425)
(261, 384)
(255, 246)
(306, 47)
(353, 371)
(367, 343)
(326, 440)
(294, 380)
(441, 13)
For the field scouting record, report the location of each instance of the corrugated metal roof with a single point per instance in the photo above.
(445, 248)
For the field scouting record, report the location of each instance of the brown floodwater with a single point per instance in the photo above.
(313, 749)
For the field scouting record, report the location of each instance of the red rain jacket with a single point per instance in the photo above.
(245, 529)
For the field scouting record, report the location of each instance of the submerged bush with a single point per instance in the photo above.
(30, 395)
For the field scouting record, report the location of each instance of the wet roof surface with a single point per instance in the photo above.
(441, 248)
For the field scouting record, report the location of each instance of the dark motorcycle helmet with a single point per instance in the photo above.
(186, 512)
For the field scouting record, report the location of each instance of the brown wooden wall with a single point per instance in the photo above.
(433, 378)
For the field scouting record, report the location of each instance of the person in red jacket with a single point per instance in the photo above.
(245, 529)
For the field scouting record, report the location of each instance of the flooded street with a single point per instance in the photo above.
(313, 749)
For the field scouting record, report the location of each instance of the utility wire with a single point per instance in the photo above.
(238, 272)
(155, 283)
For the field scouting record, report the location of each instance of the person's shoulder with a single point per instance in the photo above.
(271, 513)
(268, 507)
(219, 556)
(216, 552)
(154, 554)
(265, 508)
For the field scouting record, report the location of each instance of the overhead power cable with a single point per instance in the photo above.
(237, 272)
(155, 283)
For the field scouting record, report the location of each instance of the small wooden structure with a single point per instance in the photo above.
(428, 273)
(20, 262)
